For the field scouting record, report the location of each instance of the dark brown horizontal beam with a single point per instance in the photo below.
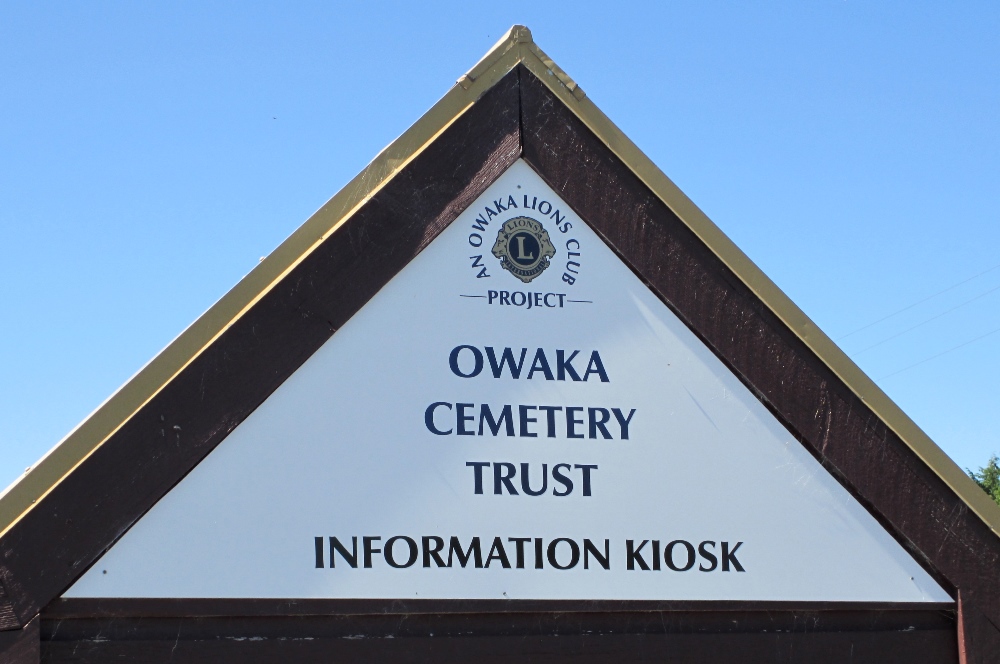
(185, 608)
(680, 637)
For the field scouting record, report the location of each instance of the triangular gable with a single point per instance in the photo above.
(86, 493)
(409, 423)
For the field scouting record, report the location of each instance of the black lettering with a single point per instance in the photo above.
(455, 548)
(349, 558)
(729, 557)
(668, 556)
(497, 553)
(633, 555)
(410, 559)
(318, 543)
(586, 468)
(369, 550)
(519, 550)
(539, 561)
(707, 555)
(432, 552)
(590, 550)
(574, 553)
(656, 555)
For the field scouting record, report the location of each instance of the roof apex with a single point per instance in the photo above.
(516, 47)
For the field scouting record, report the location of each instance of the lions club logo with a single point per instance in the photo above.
(524, 248)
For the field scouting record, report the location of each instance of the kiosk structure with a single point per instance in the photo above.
(508, 395)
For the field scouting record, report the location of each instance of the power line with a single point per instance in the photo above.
(924, 322)
(910, 306)
(944, 352)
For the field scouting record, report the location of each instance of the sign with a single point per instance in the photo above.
(508, 394)
(515, 415)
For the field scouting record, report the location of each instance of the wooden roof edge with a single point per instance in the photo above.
(516, 47)
(30, 488)
(761, 285)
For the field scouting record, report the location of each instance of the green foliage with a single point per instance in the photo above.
(988, 477)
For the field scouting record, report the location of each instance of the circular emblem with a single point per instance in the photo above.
(524, 248)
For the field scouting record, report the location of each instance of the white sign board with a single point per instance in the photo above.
(515, 415)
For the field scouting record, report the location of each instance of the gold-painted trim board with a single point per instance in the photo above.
(516, 47)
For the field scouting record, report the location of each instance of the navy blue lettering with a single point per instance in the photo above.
(477, 358)
(486, 416)
(564, 365)
(526, 482)
(477, 471)
(503, 473)
(540, 364)
(598, 419)
(595, 366)
(522, 412)
(463, 418)
(429, 418)
(572, 422)
(507, 357)
(623, 421)
(586, 468)
(562, 479)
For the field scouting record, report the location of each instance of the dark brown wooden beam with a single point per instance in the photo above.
(21, 646)
(885, 637)
(42, 554)
(925, 516)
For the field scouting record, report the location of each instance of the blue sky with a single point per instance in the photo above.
(150, 154)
